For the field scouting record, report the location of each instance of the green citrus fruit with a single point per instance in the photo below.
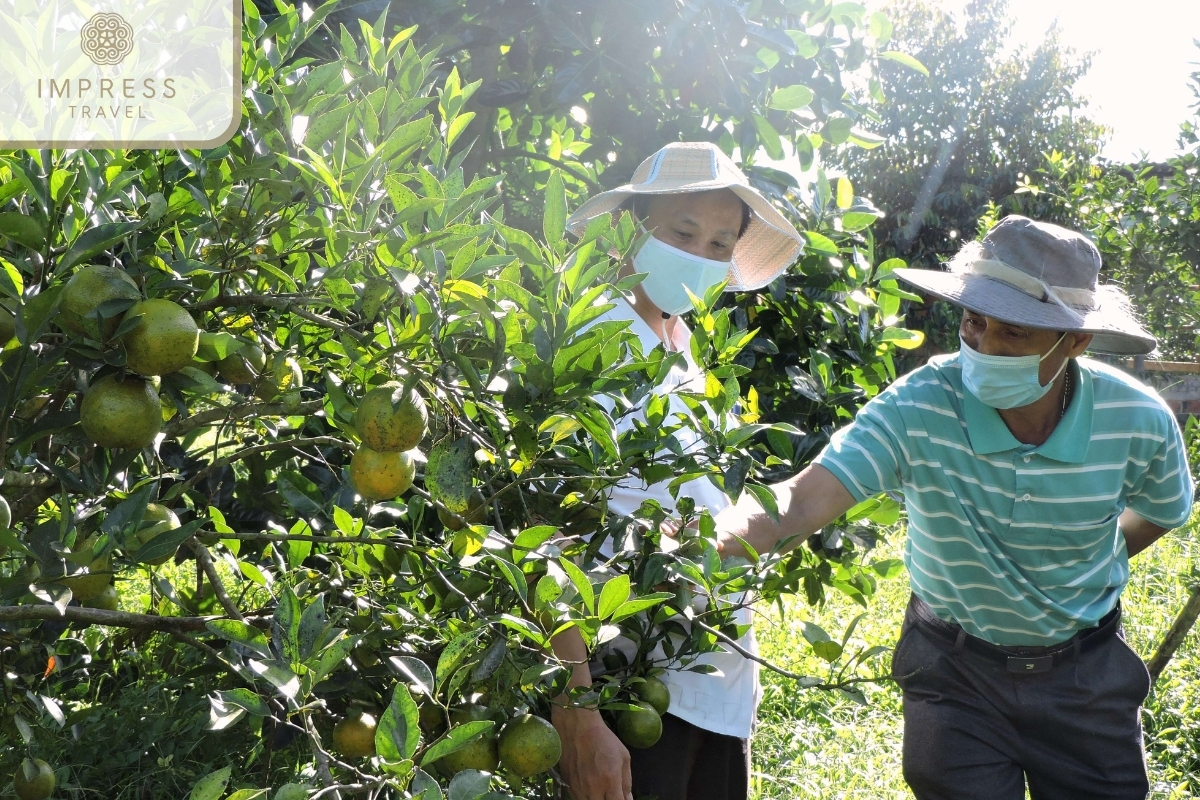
(641, 728)
(165, 339)
(5, 514)
(117, 413)
(390, 419)
(381, 476)
(654, 692)
(106, 600)
(40, 786)
(244, 365)
(529, 745)
(158, 519)
(90, 585)
(479, 753)
(87, 289)
(476, 512)
(355, 738)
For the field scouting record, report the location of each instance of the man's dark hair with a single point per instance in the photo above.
(639, 206)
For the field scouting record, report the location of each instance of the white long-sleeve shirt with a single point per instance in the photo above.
(723, 702)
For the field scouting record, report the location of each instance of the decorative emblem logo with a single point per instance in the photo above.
(107, 39)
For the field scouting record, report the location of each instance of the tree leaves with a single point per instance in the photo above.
(397, 734)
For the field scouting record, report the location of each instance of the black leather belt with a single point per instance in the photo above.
(1022, 660)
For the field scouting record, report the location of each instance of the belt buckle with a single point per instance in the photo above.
(1029, 666)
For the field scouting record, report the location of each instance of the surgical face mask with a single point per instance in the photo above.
(1005, 381)
(668, 270)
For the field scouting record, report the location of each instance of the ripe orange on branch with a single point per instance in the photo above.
(529, 745)
(121, 413)
(381, 476)
(391, 418)
(165, 339)
(86, 291)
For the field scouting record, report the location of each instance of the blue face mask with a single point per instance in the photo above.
(1005, 381)
(668, 270)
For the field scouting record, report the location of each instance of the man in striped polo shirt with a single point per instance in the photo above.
(1030, 476)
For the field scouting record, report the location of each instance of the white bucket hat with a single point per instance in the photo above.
(768, 247)
(1038, 275)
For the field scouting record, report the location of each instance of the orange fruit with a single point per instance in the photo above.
(381, 476)
(640, 728)
(355, 737)
(121, 413)
(85, 291)
(165, 339)
(243, 366)
(529, 745)
(390, 419)
(40, 786)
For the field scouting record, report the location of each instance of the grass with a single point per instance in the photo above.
(823, 745)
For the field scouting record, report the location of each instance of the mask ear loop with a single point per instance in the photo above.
(1065, 360)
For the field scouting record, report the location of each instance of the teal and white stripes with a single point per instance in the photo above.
(1018, 544)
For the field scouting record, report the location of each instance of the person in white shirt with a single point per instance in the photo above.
(707, 225)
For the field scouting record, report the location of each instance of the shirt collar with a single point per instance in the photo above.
(1069, 441)
(623, 311)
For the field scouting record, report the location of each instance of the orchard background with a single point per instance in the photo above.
(223, 599)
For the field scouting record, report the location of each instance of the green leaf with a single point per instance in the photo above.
(242, 633)
(769, 137)
(397, 735)
(845, 193)
(22, 229)
(857, 220)
(95, 241)
(821, 244)
(613, 596)
(904, 338)
(455, 739)
(211, 786)
(789, 98)
(579, 580)
(167, 542)
(906, 60)
(554, 214)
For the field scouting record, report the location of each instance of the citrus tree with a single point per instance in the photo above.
(300, 426)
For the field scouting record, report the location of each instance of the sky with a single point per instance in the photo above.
(1142, 56)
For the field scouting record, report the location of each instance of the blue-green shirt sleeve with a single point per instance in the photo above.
(1163, 492)
(866, 455)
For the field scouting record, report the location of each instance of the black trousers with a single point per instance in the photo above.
(690, 763)
(977, 727)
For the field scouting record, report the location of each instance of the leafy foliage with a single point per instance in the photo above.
(962, 139)
(341, 241)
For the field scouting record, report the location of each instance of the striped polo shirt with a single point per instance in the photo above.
(1017, 543)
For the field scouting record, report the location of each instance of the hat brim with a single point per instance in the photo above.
(1114, 331)
(768, 247)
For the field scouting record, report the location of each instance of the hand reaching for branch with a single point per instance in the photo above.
(595, 765)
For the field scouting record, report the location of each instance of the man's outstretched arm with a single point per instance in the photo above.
(807, 502)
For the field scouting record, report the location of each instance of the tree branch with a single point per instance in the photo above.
(263, 448)
(204, 558)
(231, 413)
(567, 168)
(25, 480)
(117, 619)
(277, 303)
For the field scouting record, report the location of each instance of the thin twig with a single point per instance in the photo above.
(263, 448)
(204, 559)
(567, 168)
(228, 414)
(284, 304)
(807, 680)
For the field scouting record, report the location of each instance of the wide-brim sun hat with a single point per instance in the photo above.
(1038, 275)
(768, 247)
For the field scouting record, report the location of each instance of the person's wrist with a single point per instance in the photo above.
(574, 718)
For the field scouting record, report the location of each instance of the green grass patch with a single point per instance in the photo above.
(821, 744)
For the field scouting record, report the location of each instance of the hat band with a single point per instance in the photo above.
(1064, 296)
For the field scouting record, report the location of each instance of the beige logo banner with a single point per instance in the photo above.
(119, 73)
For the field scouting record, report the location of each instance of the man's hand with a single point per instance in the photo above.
(595, 765)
